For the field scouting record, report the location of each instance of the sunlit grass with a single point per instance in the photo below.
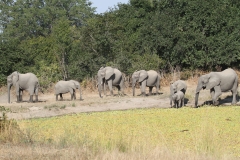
(206, 130)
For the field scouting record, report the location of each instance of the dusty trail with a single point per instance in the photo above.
(48, 107)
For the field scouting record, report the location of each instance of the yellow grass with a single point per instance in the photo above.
(134, 134)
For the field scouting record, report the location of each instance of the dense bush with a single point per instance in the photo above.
(67, 40)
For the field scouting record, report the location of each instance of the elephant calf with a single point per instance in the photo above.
(176, 86)
(62, 87)
(178, 99)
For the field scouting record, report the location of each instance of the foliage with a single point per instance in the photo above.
(66, 40)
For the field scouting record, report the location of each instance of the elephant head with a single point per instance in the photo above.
(12, 80)
(207, 81)
(177, 86)
(138, 76)
(77, 85)
(103, 75)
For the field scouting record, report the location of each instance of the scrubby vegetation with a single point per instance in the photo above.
(207, 132)
(67, 40)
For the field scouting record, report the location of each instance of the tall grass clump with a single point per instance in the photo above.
(9, 130)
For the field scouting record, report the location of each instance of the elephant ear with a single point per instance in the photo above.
(15, 76)
(109, 72)
(212, 83)
(143, 75)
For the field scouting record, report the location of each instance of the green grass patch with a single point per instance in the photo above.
(205, 130)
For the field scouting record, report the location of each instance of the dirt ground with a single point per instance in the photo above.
(49, 107)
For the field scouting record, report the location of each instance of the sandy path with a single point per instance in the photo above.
(48, 107)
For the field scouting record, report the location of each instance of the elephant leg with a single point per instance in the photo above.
(56, 97)
(150, 90)
(118, 87)
(157, 88)
(20, 95)
(218, 92)
(212, 92)
(18, 99)
(143, 87)
(74, 94)
(31, 98)
(234, 91)
(36, 98)
(36, 94)
(110, 83)
(183, 100)
(121, 85)
(234, 94)
(61, 97)
(104, 88)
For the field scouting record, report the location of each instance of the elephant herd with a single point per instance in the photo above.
(216, 82)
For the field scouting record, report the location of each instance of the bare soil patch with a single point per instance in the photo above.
(49, 107)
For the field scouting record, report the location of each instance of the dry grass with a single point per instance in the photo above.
(204, 133)
(43, 152)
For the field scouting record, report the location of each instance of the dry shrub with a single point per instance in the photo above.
(9, 130)
(89, 84)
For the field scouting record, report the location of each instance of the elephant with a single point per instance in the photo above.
(111, 77)
(27, 81)
(176, 86)
(178, 99)
(146, 79)
(62, 87)
(218, 82)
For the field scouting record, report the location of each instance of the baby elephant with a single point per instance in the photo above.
(178, 99)
(62, 87)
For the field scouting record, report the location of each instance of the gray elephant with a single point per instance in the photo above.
(176, 86)
(146, 79)
(178, 99)
(111, 77)
(27, 81)
(63, 87)
(218, 82)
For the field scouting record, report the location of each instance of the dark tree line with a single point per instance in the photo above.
(67, 40)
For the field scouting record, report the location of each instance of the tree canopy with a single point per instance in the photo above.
(67, 40)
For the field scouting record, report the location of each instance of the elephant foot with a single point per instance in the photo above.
(18, 99)
(31, 99)
(216, 103)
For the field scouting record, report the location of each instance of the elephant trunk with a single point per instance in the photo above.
(133, 87)
(9, 89)
(100, 88)
(199, 87)
(196, 99)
